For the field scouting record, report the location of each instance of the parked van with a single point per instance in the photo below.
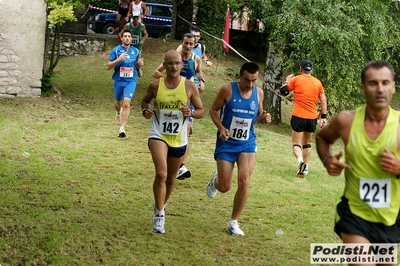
(158, 21)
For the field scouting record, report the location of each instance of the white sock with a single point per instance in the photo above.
(300, 159)
(160, 213)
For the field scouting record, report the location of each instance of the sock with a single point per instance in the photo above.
(300, 159)
(160, 213)
(232, 221)
(118, 113)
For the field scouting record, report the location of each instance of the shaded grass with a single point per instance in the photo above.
(84, 197)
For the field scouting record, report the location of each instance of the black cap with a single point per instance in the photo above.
(306, 65)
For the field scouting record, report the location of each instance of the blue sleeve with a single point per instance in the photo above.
(113, 54)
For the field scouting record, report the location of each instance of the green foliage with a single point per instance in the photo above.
(73, 3)
(60, 13)
(339, 38)
(46, 85)
(211, 16)
(232, 72)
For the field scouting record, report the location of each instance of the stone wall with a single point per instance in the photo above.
(21, 47)
(77, 44)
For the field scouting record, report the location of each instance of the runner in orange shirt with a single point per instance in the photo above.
(307, 91)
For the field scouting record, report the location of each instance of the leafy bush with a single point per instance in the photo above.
(232, 72)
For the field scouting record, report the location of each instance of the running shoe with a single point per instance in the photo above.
(183, 173)
(305, 172)
(211, 189)
(122, 133)
(233, 229)
(302, 168)
(158, 223)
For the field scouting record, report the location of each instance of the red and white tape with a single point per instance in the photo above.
(112, 11)
(102, 9)
(160, 19)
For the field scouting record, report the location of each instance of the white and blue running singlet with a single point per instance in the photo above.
(238, 115)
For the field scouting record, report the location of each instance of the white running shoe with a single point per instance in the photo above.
(122, 133)
(233, 228)
(183, 173)
(305, 172)
(300, 171)
(158, 223)
(211, 189)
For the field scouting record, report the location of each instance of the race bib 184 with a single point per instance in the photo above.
(240, 128)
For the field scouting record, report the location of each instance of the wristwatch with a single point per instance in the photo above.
(192, 114)
(202, 79)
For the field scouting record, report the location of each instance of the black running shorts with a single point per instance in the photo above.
(172, 152)
(374, 232)
(123, 11)
(301, 124)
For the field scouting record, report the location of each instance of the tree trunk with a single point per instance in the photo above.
(46, 50)
(56, 48)
(46, 46)
(271, 85)
(185, 9)
(174, 17)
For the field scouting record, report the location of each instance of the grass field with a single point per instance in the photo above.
(84, 196)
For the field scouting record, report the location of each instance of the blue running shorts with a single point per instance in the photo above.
(230, 152)
(124, 89)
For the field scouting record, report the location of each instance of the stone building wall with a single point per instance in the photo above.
(22, 46)
(22, 36)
